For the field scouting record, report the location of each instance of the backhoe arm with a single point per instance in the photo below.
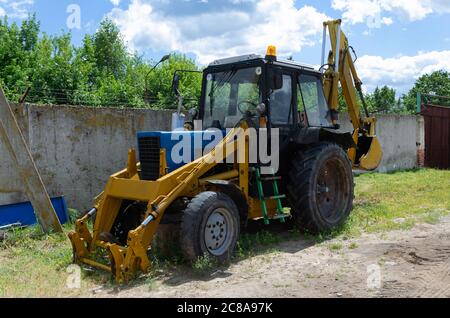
(341, 69)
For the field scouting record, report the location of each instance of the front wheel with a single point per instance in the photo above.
(210, 226)
(321, 188)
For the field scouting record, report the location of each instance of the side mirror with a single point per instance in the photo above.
(276, 80)
(176, 84)
(193, 113)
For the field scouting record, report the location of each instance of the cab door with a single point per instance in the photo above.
(282, 108)
(311, 102)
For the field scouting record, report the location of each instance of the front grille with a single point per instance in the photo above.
(149, 156)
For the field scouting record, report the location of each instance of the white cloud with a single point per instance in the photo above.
(221, 33)
(373, 11)
(386, 21)
(115, 2)
(400, 72)
(16, 9)
(356, 11)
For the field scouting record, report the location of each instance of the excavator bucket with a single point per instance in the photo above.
(368, 154)
(372, 158)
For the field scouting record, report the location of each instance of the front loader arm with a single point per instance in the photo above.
(127, 260)
(341, 70)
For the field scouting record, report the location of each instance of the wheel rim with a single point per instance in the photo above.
(219, 230)
(332, 190)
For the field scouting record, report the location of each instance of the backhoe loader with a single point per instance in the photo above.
(292, 108)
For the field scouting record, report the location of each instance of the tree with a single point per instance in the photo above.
(29, 33)
(436, 83)
(101, 72)
(110, 50)
(342, 108)
(160, 82)
(14, 62)
(381, 101)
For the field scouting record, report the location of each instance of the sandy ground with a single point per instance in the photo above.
(413, 263)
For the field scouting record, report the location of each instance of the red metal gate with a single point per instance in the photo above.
(437, 136)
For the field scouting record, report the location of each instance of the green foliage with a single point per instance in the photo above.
(342, 108)
(380, 101)
(383, 100)
(436, 83)
(109, 50)
(101, 72)
(160, 83)
(203, 265)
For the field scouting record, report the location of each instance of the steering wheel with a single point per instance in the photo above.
(248, 110)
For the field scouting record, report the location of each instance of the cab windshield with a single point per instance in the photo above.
(229, 95)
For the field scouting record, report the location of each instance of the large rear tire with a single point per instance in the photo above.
(210, 226)
(320, 188)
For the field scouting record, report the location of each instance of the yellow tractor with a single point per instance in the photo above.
(211, 177)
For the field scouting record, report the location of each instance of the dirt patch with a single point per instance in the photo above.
(413, 263)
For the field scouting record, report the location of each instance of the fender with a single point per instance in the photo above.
(311, 135)
(235, 194)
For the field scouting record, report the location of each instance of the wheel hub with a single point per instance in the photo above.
(217, 231)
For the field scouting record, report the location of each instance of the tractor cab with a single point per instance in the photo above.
(285, 92)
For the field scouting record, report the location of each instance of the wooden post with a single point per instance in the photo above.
(15, 144)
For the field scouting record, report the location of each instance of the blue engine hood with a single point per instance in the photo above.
(197, 141)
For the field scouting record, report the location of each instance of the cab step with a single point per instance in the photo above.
(274, 178)
(277, 197)
(284, 216)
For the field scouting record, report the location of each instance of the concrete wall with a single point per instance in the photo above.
(76, 149)
(401, 137)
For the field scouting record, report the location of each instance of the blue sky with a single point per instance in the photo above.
(396, 40)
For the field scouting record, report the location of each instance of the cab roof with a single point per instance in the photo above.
(252, 57)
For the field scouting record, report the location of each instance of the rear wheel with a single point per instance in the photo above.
(210, 226)
(321, 188)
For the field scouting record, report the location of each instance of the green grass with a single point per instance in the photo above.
(383, 202)
(204, 265)
(249, 243)
(35, 264)
(353, 246)
(334, 247)
(400, 200)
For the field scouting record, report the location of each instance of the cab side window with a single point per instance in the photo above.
(313, 101)
(281, 102)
